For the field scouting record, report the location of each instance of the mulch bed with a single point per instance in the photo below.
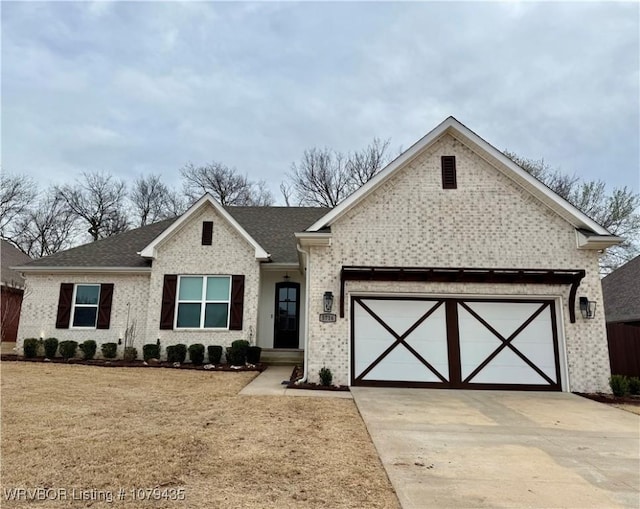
(298, 373)
(121, 363)
(610, 398)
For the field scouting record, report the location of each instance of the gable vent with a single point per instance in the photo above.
(449, 172)
(207, 233)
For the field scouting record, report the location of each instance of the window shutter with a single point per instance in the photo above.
(64, 306)
(104, 308)
(237, 302)
(207, 233)
(168, 301)
(449, 172)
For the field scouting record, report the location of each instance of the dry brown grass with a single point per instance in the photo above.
(98, 428)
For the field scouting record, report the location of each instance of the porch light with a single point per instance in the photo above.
(587, 308)
(328, 301)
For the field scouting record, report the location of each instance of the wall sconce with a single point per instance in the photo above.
(587, 308)
(328, 301)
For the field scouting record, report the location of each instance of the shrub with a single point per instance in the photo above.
(30, 347)
(68, 349)
(241, 345)
(634, 385)
(236, 356)
(50, 347)
(619, 385)
(326, 377)
(151, 351)
(177, 353)
(253, 354)
(215, 353)
(130, 354)
(88, 349)
(109, 350)
(196, 354)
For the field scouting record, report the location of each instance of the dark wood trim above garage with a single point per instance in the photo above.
(464, 275)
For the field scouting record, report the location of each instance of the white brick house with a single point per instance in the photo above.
(451, 268)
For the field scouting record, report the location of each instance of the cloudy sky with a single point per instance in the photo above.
(140, 87)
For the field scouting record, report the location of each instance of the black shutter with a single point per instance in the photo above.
(104, 309)
(449, 172)
(64, 306)
(207, 233)
(237, 302)
(168, 301)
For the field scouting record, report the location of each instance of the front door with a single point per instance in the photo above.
(287, 315)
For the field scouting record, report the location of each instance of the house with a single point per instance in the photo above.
(621, 295)
(451, 268)
(11, 290)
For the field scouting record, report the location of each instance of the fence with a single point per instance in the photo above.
(624, 349)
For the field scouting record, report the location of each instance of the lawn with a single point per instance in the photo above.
(101, 430)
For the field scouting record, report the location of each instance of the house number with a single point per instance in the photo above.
(327, 317)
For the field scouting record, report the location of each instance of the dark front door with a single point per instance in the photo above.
(287, 315)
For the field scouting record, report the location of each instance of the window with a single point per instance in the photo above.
(203, 302)
(85, 305)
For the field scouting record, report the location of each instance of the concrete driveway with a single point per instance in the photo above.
(469, 449)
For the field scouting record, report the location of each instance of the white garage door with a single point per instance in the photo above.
(454, 343)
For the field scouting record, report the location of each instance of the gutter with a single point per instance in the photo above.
(307, 302)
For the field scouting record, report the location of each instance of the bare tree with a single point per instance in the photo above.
(99, 201)
(225, 184)
(151, 200)
(325, 177)
(46, 228)
(17, 193)
(618, 211)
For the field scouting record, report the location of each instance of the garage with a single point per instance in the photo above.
(461, 343)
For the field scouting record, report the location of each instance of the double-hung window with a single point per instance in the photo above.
(203, 302)
(85, 305)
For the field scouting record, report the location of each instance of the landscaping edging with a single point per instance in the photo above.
(610, 399)
(120, 363)
(296, 375)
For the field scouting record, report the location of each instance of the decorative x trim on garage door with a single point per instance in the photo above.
(400, 339)
(507, 342)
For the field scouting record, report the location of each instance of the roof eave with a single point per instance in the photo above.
(313, 238)
(43, 269)
(586, 241)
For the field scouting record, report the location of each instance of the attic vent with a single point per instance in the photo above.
(207, 233)
(449, 172)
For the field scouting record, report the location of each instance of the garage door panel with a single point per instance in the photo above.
(373, 339)
(504, 317)
(399, 315)
(402, 365)
(479, 342)
(506, 368)
(429, 339)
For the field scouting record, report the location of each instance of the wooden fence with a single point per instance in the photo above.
(624, 349)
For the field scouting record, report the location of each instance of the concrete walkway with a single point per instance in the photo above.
(269, 383)
(445, 448)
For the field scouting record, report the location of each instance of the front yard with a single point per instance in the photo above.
(99, 432)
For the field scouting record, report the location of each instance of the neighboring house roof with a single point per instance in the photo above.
(621, 293)
(272, 227)
(453, 127)
(11, 256)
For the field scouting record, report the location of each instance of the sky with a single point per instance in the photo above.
(147, 87)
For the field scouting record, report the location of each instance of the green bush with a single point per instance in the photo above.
(214, 353)
(196, 354)
(236, 356)
(88, 349)
(177, 353)
(68, 349)
(50, 347)
(30, 347)
(130, 354)
(109, 350)
(326, 377)
(253, 354)
(151, 351)
(619, 385)
(634, 385)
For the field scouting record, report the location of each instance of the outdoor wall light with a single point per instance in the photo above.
(328, 301)
(587, 308)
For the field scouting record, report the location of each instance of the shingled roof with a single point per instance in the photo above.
(12, 256)
(271, 227)
(621, 293)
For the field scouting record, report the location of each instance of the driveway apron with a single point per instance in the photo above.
(470, 449)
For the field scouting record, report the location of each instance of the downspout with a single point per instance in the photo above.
(307, 302)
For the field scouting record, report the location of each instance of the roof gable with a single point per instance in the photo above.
(150, 251)
(621, 293)
(10, 257)
(487, 152)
